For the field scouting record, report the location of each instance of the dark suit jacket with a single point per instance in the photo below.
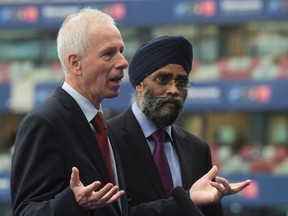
(142, 179)
(50, 140)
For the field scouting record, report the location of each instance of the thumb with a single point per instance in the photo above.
(212, 173)
(74, 180)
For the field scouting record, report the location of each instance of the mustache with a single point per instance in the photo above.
(171, 99)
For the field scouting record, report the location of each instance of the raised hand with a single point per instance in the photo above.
(205, 191)
(87, 196)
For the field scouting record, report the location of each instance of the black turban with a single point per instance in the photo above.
(158, 53)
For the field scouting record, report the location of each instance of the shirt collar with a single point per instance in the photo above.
(86, 106)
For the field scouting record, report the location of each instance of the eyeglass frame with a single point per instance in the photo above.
(169, 81)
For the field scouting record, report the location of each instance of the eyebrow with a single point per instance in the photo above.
(166, 73)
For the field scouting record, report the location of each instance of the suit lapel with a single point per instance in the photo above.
(84, 131)
(121, 180)
(185, 155)
(136, 141)
(89, 140)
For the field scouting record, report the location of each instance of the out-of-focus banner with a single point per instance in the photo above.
(5, 186)
(145, 12)
(265, 190)
(221, 96)
(202, 96)
(238, 95)
(210, 96)
(4, 97)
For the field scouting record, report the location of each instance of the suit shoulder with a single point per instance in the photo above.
(120, 117)
(189, 135)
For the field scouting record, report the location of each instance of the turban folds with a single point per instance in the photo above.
(158, 53)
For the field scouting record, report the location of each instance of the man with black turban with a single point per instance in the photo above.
(159, 72)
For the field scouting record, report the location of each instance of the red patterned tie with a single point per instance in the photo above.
(102, 139)
(161, 160)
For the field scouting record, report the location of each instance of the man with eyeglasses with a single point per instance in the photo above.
(159, 72)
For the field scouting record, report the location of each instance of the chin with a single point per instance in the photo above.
(112, 95)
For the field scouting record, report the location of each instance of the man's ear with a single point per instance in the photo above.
(139, 93)
(139, 87)
(74, 63)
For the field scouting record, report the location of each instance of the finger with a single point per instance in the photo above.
(212, 173)
(91, 197)
(225, 184)
(85, 197)
(110, 197)
(89, 189)
(105, 190)
(217, 186)
(107, 196)
(236, 187)
(75, 179)
(116, 196)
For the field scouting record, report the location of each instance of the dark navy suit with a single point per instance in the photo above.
(143, 182)
(52, 139)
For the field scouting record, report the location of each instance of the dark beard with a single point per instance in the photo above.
(153, 108)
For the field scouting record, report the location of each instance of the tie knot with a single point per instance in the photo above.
(159, 136)
(98, 122)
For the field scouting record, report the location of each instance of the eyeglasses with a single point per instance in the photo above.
(164, 81)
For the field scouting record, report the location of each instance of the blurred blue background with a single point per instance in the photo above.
(238, 102)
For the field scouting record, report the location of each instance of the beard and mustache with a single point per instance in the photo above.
(153, 107)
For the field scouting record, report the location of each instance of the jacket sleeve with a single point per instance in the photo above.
(37, 154)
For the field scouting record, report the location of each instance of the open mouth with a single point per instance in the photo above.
(170, 103)
(116, 79)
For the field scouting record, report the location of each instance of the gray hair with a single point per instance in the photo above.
(72, 36)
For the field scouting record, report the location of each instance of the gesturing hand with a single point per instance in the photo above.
(205, 191)
(88, 198)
